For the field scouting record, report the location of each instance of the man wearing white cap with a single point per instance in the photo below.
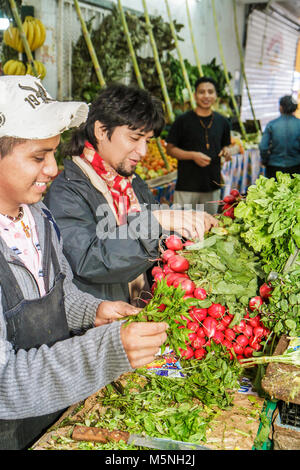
(58, 345)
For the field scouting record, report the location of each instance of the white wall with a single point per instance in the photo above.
(203, 27)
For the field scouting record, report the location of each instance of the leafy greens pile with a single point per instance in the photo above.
(270, 219)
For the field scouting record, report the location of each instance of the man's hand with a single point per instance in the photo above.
(209, 222)
(142, 341)
(187, 223)
(225, 152)
(108, 311)
(200, 159)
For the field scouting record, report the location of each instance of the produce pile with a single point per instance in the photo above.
(35, 33)
(152, 165)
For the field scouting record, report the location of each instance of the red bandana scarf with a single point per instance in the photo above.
(124, 198)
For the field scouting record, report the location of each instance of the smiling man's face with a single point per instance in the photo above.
(205, 95)
(124, 149)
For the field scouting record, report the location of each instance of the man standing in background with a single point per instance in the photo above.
(198, 139)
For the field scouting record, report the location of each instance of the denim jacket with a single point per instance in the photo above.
(280, 143)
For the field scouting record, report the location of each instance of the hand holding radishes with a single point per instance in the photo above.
(108, 311)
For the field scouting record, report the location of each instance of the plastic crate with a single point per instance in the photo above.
(289, 414)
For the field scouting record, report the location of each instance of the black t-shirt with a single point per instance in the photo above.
(187, 133)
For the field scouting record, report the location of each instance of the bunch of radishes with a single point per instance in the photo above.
(212, 323)
(229, 203)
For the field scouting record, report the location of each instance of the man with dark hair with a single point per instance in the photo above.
(109, 220)
(198, 139)
(58, 345)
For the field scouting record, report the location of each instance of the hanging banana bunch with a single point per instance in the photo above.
(40, 68)
(35, 33)
(14, 67)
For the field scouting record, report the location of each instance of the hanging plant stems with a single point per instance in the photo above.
(193, 40)
(90, 45)
(244, 134)
(138, 73)
(243, 64)
(158, 65)
(18, 21)
(184, 72)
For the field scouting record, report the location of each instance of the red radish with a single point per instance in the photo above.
(184, 318)
(153, 287)
(167, 270)
(188, 243)
(198, 314)
(167, 255)
(229, 213)
(229, 334)
(200, 353)
(198, 342)
(218, 337)
(208, 343)
(192, 325)
(186, 353)
(188, 296)
(229, 199)
(174, 243)
(209, 325)
(192, 336)
(201, 332)
(170, 278)
(226, 207)
(159, 276)
(200, 293)
(254, 344)
(220, 327)
(242, 340)
(162, 307)
(227, 343)
(226, 320)
(235, 193)
(265, 291)
(178, 263)
(240, 357)
(240, 327)
(266, 332)
(156, 270)
(178, 280)
(248, 351)
(216, 310)
(254, 321)
(255, 303)
(258, 332)
(188, 286)
(238, 349)
(248, 331)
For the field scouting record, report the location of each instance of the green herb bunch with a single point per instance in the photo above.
(175, 307)
(270, 219)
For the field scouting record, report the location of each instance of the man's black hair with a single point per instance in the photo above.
(288, 105)
(119, 105)
(205, 80)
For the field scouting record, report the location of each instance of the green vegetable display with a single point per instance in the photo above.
(270, 219)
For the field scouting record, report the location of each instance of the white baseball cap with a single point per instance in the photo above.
(27, 110)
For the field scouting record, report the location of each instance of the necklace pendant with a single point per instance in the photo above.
(25, 229)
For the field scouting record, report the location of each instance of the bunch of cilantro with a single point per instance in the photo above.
(269, 219)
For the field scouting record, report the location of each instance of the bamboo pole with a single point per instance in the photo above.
(18, 20)
(183, 68)
(90, 46)
(158, 65)
(244, 134)
(243, 64)
(138, 74)
(193, 40)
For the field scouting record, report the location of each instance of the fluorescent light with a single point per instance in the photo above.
(4, 24)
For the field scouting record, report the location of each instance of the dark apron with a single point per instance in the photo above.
(30, 324)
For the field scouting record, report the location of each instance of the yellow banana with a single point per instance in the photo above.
(30, 34)
(42, 31)
(37, 36)
(14, 67)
